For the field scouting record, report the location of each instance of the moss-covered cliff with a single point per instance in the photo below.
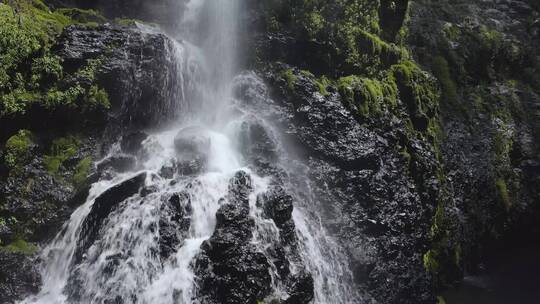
(478, 116)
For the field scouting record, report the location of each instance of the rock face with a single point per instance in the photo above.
(418, 191)
(137, 67)
(231, 269)
(362, 184)
(192, 145)
(102, 207)
(18, 276)
(485, 54)
(175, 217)
(419, 178)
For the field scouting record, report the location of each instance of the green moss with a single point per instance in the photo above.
(346, 87)
(442, 72)
(21, 246)
(132, 22)
(490, 39)
(419, 92)
(290, 78)
(29, 72)
(314, 23)
(273, 25)
(322, 84)
(441, 300)
(98, 97)
(17, 149)
(61, 150)
(82, 16)
(502, 190)
(368, 96)
(81, 171)
(430, 261)
(452, 32)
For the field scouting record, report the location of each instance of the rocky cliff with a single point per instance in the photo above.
(419, 122)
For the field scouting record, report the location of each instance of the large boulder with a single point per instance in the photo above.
(137, 67)
(230, 269)
(192, 145)
(102, 207)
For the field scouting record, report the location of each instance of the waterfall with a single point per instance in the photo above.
(112, 249)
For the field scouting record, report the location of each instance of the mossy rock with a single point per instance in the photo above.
(21, 246)
(30, 74)
(82, 171)
(61, 150)
(18, 150)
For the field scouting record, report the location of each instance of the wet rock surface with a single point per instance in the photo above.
(119, 163)
(102, 207)
(136, 70)
(132, 142)
(19, 276)
(192, 145)
(490, 49)
(175, 217)
(368, 198)
(231, 269)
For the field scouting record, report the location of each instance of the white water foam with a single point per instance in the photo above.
(123, 262)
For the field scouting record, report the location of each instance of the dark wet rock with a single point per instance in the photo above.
(145, 191)
(102, 207)
(192, 141)
(491, 51)
(119, 163)
(167, 171)
(132, 142)
(36, 201)
(192, 145)
(230, 269)
(380, 213)
(278, 206)
(137, 70)
(301, 291)
(19, 276)
(258, 145)
(174, 222)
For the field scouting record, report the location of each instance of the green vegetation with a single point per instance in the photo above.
(17, 149)
(348, 29)
(502, 190)
(61, 150)
(442, 72)
(81, 172)
(441, 300)
(290, 78)
(30, 74)
(490, 39)
(323, 83)
(368, 96)
(87, 17)
(21, 246)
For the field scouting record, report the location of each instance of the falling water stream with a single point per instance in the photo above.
(127, 239)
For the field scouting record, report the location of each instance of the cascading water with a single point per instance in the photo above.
(112, 250)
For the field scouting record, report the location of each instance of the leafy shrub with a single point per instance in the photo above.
(61, 150)
(17, 149)
(30, 74)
